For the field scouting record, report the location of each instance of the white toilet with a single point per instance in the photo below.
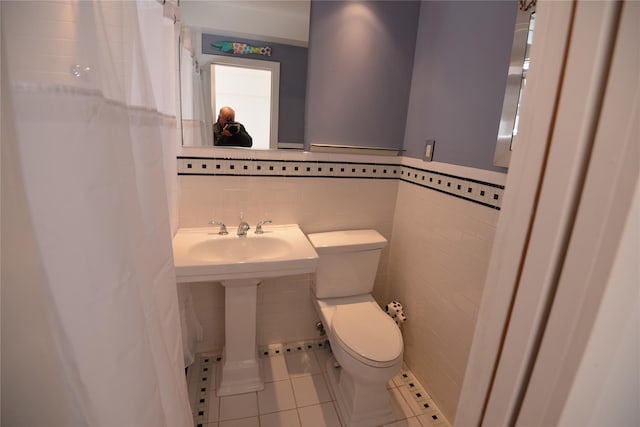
(366, 342)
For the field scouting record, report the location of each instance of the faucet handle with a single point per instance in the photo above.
(260, 224)
(223, 228)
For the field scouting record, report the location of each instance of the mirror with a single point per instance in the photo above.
(209, 26)
(516, 80)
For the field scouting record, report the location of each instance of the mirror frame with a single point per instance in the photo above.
(512, 94)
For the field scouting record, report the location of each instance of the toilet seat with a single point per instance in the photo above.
(367, 334)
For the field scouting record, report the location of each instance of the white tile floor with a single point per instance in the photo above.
(296, 394)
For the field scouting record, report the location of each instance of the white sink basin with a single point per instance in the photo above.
(240, 263)
(201, 254)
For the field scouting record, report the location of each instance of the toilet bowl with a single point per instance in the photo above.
(359, 327)
(364, 339)
(366, 343)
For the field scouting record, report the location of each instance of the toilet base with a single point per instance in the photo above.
(359, 405)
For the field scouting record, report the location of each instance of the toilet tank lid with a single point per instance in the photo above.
(348, 240)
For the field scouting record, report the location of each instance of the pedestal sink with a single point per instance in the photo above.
(240, 263)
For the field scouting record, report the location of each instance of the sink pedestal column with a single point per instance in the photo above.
(240, 368)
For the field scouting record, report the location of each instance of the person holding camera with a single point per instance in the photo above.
(229, 133)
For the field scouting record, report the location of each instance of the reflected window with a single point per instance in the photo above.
(248, 92)
(251, 87)
(525, 69)
(516, 81)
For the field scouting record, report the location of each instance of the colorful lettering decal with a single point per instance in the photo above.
(241, 48)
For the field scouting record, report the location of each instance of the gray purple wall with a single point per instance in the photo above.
(396, 73)
(459, 77)
(360, 64)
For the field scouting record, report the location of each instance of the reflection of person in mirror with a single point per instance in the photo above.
(227, 132)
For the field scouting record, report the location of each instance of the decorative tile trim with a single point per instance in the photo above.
(484, 193)
(430, 411)
(201, 382)
(285, 168)
(272, 350)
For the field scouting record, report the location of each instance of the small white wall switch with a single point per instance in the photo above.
(428, 149)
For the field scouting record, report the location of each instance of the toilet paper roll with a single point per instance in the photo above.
(396, 311)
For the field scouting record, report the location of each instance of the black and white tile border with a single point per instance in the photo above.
(480, 192)
(293, 347)
(201, 381)
(484, 193)
(429, 409)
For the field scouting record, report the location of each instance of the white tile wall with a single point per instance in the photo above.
(435, 263)
(208, 304)
(285, 312)
(316, 204)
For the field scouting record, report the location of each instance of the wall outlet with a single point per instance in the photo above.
(428, 149)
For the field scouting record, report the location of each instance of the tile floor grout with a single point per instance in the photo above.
(275, 405)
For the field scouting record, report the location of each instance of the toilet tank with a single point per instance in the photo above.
(347, 263)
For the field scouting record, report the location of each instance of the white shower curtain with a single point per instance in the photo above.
(90, 104)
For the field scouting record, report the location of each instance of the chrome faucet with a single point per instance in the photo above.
(223, 228)
(260, 224)
(243, 227)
